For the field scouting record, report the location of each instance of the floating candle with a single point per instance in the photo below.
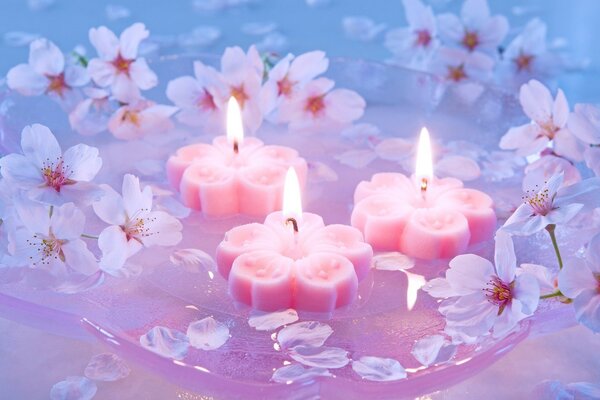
(293, 260)
(422, 216)
(234, 174)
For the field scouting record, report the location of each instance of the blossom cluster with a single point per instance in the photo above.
(292, 91)
(106, 92)
(45, 200)
(471, 45)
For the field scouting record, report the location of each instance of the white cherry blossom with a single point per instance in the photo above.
(140, 118)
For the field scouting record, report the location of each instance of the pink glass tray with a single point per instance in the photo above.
(379, 323)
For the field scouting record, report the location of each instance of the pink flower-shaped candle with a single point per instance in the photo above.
(233, 177)
(293, 260)
(422, 216)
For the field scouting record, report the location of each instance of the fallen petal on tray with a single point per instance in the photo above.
(459, 167)
(166, 342)
(192, 257)
(106, 367)
(73, 388)
(321, 172)
(393, 261)
(379, 369)
(322, 357)
(207, 334)
(271, 321)
(306, 333)
(296, 372)
(433, 349)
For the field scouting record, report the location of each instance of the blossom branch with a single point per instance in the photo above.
(551, 228)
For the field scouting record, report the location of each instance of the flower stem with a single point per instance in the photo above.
(85, 235)
(550, 295)
(551, 228)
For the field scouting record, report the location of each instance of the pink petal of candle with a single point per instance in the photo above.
(382, 219)
(345, 241)
(263, 280)
(435, 233)
(477, 207)
(324, 281)
(184, 157)
(260, 189)
(210, 188)
(244, 239)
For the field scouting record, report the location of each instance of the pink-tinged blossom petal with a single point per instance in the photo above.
(134, 121)
(560, 109)
(547, 166)
(115, 250)
(110, 207)
(345, 105)
(105, 42)
(26, 81)
(584, 123)
(308, 66)
(45, 58)
(575, 278)
(80, 257)
(527, 291)
(142, 75)
(39, 144)
(587, 309)
(102, 72)
(466, 273)
(76, 76)
(166, 228)
(518, 135)
(536, 101)
(84, 161)
(67, 222)
(504, 257)
(134, 198)
(567, 145)
(18, 168)
(508, 320)
(131, 38)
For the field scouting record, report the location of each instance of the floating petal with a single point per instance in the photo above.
(379, 369)
(321, 357)
(296, 372)
(433, 349)
(207, 334)
(306, 333)
(74, 388)
(107, 367)
(321, 172)
(356, 158)
(271, 321)
(79, 284)
(166, 342)
(192, 257)
(460, 167)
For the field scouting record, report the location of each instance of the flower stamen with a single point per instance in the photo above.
(56, 175)
(315, 104)
(470, 40)
(499, 293)
(423, 38)
(540, 202)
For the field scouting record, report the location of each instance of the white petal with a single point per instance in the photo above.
(469, 273)
(134, 199)
(344, 105)
(564, 213)
(34, 216)
(308, 66)
(40, 145)
(519, 136)
(166, 342)
(74, 388)
(270, 321)
(190, 257)
(20, 171)
(574, 278)
(567, 145)
(321, 357)
(107, 367)
(103, 73)
(463, 168)
(527, 291)
(184, 91)
(504, 257)
(427, 349)
(142, 75)
(357, 159)
(105, 42)
(306, 333)
(76, 76)
(115, 251)
(130, 40)
(297, 373)
(587, 309)
(585, 192)
(79, 257)
(67, 222)
(592, 254)
(537, 101)
(110, 207)
(26, 81)
(165, 230)
(379, 369)
(45, 58)
(509, 319)
(84, 161)
(560, 110)
(440, 288)
(207, 334)
(124, 89)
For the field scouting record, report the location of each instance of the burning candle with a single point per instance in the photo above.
(422, 216)
(234, 175)
(293, 260)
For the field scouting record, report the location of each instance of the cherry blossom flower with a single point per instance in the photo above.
(458, 65)
(318, 107)
(139, 119)
(242, 74)
(414, 45)
(475, 30)
(584, 122)
(547, 166)
(527, 55)
(118, 64)
(552, 205)
(288, 76)
(48, 175)
(548, 127)
(133, 224)
(91, 115)
(201, 98)
(50, 238)
(580, 280)
(46, 72)
(481, 297)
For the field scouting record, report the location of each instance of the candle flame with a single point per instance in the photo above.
(424, 169)
(235, 128)
(292, 201)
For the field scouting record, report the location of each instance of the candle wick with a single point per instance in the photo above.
(424, 184)
(236, 148)
(293, 222)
